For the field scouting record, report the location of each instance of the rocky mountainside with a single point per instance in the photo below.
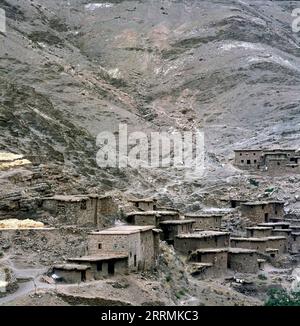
(71, 69)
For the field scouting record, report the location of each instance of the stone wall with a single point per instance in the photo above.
(259, 232)
(243, 262)
(207, 222)
(140, 247)
(170, 231)
(261, 213)
(248, 159)
(188, 245)
(218, 258)
(260, 244)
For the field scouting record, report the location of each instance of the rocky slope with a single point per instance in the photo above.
(71, 69)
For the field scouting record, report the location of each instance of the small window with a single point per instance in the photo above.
(242, 161)
(278, 163)
(83, 205)
(99, 245)
(255, 161)
(254, 154)
(240, 154)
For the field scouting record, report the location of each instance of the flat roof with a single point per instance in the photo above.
(204, 215)
(249, 150)
(177, 222)
(124, 229)
(241, 251)
(272, 250)
(142, 200)
(203, 234)
(210, 250)
(156, 213)
(282, 230)
(75, 198)
(265, 202)
(258, 239)
(296, 233)
(249, 239)
(107, 256)
(276, 238)
(259, 228)
(274, 224)
(71, 267)
(295, 227)
(67, 198)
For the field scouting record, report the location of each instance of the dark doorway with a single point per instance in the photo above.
(111, 268)
(134, 261)
(99, 266)
(266, 217)
(248, 161)
(83, 276)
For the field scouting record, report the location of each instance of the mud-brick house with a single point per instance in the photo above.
(278, 161)
(295, 242)
(140, 243)
(261, 244)
(104, 265)
(259, 232)
(248, 158)
(83, 210)
(144, 204)
(274, 161)
(275, 225)
(172, 228)
(258, 244)
(187, 243)
(216, 257)
(206, 221)
(71, 273)
(243, 260)
(151, 217)
(262, 211)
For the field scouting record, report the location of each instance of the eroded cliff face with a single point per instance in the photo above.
(71, 69)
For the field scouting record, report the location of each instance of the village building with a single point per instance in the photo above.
(140, 243)
(261, 244)
(217, 257)
(151, 217)
(295, 228)
(276, 225)
(206, 221)
(278, 242)
(295, 242)
(145, 204)
(274, 161)
(248, 158)
(172, 228)
(259, 232)
(258, 244)
(82, 210)
(104, 265)
(262, 211)
(243, 260)
(187, 243)
(71, 273)
(292, 221)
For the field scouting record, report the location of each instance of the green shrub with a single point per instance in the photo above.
(283, 298)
